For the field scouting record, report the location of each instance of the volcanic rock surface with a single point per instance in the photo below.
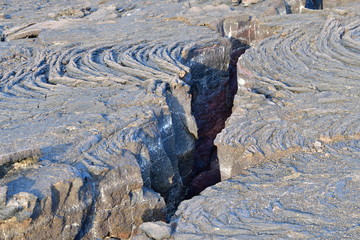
(105, 107)
(303, 196)
(296, 112)
(297, 88)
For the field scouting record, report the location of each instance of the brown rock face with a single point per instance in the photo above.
(60, 211)
(114, 211)
(64, 210)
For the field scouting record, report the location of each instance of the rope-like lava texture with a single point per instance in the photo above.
(295, 88)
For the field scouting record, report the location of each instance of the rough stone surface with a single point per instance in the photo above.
(296, 88)
(98, 114)
(156, 230)
(96, 120)
(305, 196)
(296, 112)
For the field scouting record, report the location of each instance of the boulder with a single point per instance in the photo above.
(156, 230)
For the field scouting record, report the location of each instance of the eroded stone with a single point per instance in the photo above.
(97, 132)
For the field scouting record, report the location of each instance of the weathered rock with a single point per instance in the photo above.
(96, 116)
(235, 2)
(247, 3)
(307, 195)
(296, 113)
(336, 3)
(295, 88)
(156, 230)
(93, 109)
(86, 131)
(90, 129)
(57, 204)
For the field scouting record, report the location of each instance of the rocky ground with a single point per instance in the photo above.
(302, 196)
(113, 111)
(296, 112)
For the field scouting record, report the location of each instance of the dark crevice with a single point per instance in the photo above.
(213, 88)
(314, 4)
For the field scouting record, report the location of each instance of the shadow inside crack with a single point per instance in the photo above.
(213, 87)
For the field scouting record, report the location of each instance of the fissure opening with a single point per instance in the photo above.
(213, 87)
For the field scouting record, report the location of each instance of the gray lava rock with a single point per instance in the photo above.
(302, 196)
(93, 129)
(156, 230)
(96, 119)
(296, 88)
(296, 113)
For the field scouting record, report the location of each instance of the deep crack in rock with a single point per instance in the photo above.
(97, 127)
(213, 84)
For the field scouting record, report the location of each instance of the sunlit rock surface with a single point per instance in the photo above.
(296, 88)
(303, 196)
(97, 123)
(289, 154)
(95, 118)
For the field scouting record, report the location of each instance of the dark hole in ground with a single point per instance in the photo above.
(213, 87)
(314, 4)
